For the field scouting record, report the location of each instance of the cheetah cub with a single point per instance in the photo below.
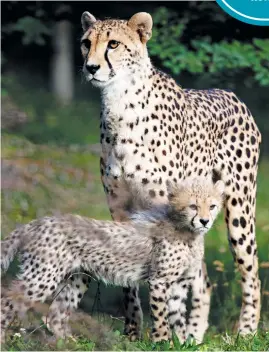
(163, 246)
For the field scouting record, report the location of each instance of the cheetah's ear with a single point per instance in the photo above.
(141, 23)
(220, 187)
(87, 20)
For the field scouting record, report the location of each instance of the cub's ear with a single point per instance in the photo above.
(220, 187)
(87, 20)
(141, 23)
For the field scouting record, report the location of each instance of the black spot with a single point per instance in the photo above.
(253, 140)
(154, 307)
(235, 222)
(247, 165)
(239, 167)
(243, 222)
(145, 181)
(240, 121)
(239, 153)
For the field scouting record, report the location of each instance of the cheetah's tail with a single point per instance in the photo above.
(9, 247)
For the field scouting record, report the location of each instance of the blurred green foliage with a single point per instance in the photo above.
(202, 55)
(33, 30)
(49, 121)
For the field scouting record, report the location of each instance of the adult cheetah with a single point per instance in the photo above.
(152, 130)
(163, 245)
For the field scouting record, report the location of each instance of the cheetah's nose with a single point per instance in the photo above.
(204, 222)
(92, 68)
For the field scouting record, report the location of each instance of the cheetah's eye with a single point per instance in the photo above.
(213, 206)
(113, 44)
(193, 207)
(86, 43)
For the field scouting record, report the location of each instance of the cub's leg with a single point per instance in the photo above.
(19, 298)
(66, 300)
(158, 297)
(201, 294)
(39, 280)
(177, 307)
(9, 309)
(133, 313)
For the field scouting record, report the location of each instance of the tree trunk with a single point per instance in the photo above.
(62, 75)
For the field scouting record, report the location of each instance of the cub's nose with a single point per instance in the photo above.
(204, 222)
(92, 68)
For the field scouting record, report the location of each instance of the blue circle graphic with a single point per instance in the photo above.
(250, 11)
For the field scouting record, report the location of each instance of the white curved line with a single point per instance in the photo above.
(241, 14)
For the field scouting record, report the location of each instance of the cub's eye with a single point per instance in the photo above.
(193, 207)
(113, 44)
(213, 206)
(86, 43)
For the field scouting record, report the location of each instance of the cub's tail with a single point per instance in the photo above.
(10, 246)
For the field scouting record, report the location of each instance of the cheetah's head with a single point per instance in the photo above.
(114, 48)
(194, 204)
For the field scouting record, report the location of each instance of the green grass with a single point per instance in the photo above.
(221, 342)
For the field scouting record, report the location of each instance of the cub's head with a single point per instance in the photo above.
(194, 204)
(113, 48)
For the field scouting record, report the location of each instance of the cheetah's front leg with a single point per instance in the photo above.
(242, 236)
(159, 310)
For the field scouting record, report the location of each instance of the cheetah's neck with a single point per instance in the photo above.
(123, 89)
(130, 103)
(131, 97)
